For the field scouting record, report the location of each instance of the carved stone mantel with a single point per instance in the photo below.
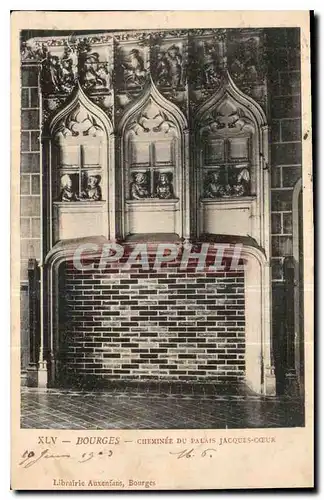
(180, 84)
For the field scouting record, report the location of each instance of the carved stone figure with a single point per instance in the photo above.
(52, 74)
(162, 69)
(34, 52)
(68, 76)
(211, 74)
(242, 184)
(94, 74)
(69, 65)
(139, 187)
(164, 188)
(134, 71)
(67, 193)
(93, 190)
(214, 188)
(245, 61)
(174, 61)
(59, 75)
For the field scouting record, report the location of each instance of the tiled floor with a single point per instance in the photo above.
(122, 408)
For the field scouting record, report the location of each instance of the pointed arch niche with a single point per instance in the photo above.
(153, 169)
(231, 163)
(80, 177)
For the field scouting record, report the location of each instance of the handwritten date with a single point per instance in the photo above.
(30, 457)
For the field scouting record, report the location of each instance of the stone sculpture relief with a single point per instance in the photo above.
(93, 189)
(59, 73)
(244, 63)
(62, 66)
(161, 69)
(229, 182)
(69, 63)
(33, 51)
(67, 192)
(91, 192)
(241, 187)
(133, 70)
(94, 75)
(169, 67)
(214, 187)
(164, 187)
(206, 64)
(123, 61)
(211, 66)
(139, 188)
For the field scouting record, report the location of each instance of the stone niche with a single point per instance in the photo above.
(78, 173)
(231, 166)
(153, 169)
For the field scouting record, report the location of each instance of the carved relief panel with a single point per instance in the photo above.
(207, 61)
(76, 60)
(246, 62)
(169, 63)
(226, 152)
(152, 141)
(59, 68)
(188, 69)
(95, 67)
(132, 68)
(68, 63)
(187, 66)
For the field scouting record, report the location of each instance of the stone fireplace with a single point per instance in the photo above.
(174, 323)
(165, 142)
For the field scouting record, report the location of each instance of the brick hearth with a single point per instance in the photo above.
(137, 324)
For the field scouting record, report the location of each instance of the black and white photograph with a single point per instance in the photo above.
(161, 229)
(165, 273)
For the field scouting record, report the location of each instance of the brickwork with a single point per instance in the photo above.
(159, 324)
(286, 139)
(286, 169)
(30, 209)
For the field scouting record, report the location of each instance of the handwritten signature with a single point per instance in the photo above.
(191, 453)
(30, 458)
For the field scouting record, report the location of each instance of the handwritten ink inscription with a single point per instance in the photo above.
(30, 458)
(191, 453)
(205, 447)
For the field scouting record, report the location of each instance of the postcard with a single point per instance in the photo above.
(161, 251)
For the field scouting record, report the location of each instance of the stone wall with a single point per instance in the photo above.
(286, 168)
(30, 177)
